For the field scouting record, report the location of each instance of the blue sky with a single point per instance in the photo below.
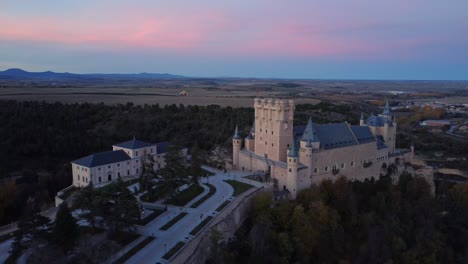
(334, 39)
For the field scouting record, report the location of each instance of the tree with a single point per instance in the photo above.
(89, 202)
(65, 231)
(147, 174)
(121, 208)
(174, 174)
(195, 168)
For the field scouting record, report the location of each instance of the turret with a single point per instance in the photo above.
(308, 142)
(236, 145)
(293, 165)
(361, 121)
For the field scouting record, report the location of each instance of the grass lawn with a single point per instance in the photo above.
(150, 217)
(186, 195)
(173, 221)
(221, 207)
(134, 250)
(173, 250)
(201, 225)
(204, 198)
(239, 187)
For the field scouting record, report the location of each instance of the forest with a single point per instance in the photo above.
(39, 140)
(355, 222)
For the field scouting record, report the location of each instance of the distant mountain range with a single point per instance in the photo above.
(19, 73)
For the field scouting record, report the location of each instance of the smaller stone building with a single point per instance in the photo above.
(125, 160)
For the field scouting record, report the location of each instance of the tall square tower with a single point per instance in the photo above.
(273, 127)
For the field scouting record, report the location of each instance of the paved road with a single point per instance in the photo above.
(165, 240)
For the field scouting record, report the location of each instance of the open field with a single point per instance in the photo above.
(224, 91)
(197, 96)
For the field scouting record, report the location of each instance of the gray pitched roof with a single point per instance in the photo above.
(102, 158)
(335, 136)
(134, 144)
(161, 147)
(376, 121)
(236, 133)
(363, 134)
(309, 134)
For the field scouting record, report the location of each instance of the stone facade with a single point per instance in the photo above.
(297, 157)
(125, 160)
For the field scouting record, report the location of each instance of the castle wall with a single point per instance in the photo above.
(348, 160)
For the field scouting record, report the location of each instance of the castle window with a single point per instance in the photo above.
(272, 132)
(266, 143)
(352, 163)
(136, 153)
(118, 164)
(326, 168)
(289, 169)
(99, 179)
(342, 165)
(78, 177)
(272, 144)
(266, 131)
(315, 170)
(108, 166)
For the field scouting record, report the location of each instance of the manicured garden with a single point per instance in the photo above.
(173, 250)
(204, 198)
(239, 187)
(186, 195)
(221, 207)
(201, 225)
(134, 250)
(173, 221)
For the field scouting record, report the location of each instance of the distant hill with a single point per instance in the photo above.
(19, 73)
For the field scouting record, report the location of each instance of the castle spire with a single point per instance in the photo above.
(386, 110)
(309, 131)
(236, 133)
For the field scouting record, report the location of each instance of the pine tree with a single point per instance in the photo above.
(65, 231)
(122, 208)
(88, 201)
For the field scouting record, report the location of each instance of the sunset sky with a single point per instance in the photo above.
(318, 39)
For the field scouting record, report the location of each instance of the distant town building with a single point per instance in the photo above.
(125, 160)
(435, 123)
(296, 157)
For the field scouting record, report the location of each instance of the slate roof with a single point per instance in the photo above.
(236, 133)
(162, 147)
(134, 144)
(376, 121)
(102, 158)
(309, 134)
(335, 136)
(363, 134)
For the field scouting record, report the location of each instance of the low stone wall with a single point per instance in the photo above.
(226, 222)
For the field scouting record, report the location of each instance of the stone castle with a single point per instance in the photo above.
(296, 157)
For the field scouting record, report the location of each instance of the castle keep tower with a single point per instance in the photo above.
(273, 127)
